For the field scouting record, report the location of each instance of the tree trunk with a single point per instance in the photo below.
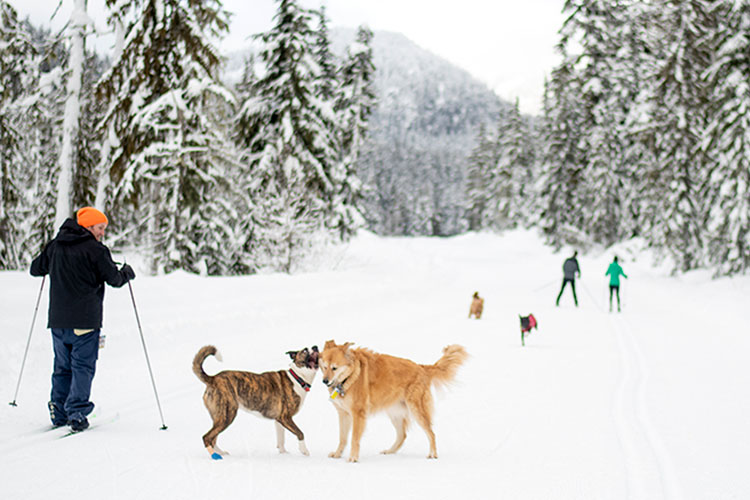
(71, 129)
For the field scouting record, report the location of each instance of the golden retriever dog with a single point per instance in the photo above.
(362, 382)
(477, 305)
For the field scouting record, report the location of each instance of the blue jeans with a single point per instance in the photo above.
(75, 365)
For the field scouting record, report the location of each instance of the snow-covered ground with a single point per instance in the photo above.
(652, 403)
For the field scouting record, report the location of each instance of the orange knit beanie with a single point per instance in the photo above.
(89, 216)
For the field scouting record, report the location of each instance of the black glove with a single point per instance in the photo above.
(128, 272)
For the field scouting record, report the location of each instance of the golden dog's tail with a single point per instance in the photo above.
(204, 352)
(444, 370)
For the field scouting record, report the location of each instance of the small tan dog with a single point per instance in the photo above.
(477, 305)
(362, 382)
(275, 395)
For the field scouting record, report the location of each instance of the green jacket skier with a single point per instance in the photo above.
(615, 271)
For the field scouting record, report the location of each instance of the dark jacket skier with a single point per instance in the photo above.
(570, 269)
(78, 265)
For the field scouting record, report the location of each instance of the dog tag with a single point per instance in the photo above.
(335, 394)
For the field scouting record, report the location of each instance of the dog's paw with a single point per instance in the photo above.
(334, 454)
(432, 455)
(353, 460)
(282, 451)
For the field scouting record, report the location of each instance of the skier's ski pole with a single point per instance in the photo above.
(544, 286)
(28, 342)
(148, 363)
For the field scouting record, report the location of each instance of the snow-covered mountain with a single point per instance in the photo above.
(421, 133)
(422, 93)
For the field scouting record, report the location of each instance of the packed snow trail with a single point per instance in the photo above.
(650, 403)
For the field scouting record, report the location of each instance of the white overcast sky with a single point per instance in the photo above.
(507, 44)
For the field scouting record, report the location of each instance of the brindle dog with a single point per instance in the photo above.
(274, 395)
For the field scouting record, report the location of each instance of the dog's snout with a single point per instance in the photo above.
(325, 381)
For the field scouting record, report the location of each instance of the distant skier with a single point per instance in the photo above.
(570, 269)
(615, 271)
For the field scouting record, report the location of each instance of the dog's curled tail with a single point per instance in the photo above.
(204, 352)
(444, 370)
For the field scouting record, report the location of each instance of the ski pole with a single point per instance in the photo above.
(544, 286)
(148, 363)
(28, 342)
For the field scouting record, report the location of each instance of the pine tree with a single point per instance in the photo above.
(594, 39)
(642, 48)
(119, 10)
(479, 168)
(16, 73)
(599, 26)
(327, 80)
(728, 135)
(40, 129)
(679, 116)
(287, 144)
(355, 104)
(169, 108)
(242, 135)
(563, 160)
(511, 182)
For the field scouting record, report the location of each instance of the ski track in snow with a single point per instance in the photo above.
(649, 469)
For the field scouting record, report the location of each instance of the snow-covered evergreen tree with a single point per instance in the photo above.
(563, 160)
(512, 178)
(679, 117)
(119, 10)
(287, 144)
(597, 27)
(41, 129)
(327, 79)
(355, 103)
(642, 50)
(170, 111)
(479, 167)
(16, 73)
(728, 136)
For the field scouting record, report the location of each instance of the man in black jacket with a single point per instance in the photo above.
(78, 265)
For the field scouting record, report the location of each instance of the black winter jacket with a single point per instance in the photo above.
(78, 265)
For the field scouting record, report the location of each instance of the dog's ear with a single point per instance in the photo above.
(315, 348)
(330, 344)
(346, 345)
(292, 354)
